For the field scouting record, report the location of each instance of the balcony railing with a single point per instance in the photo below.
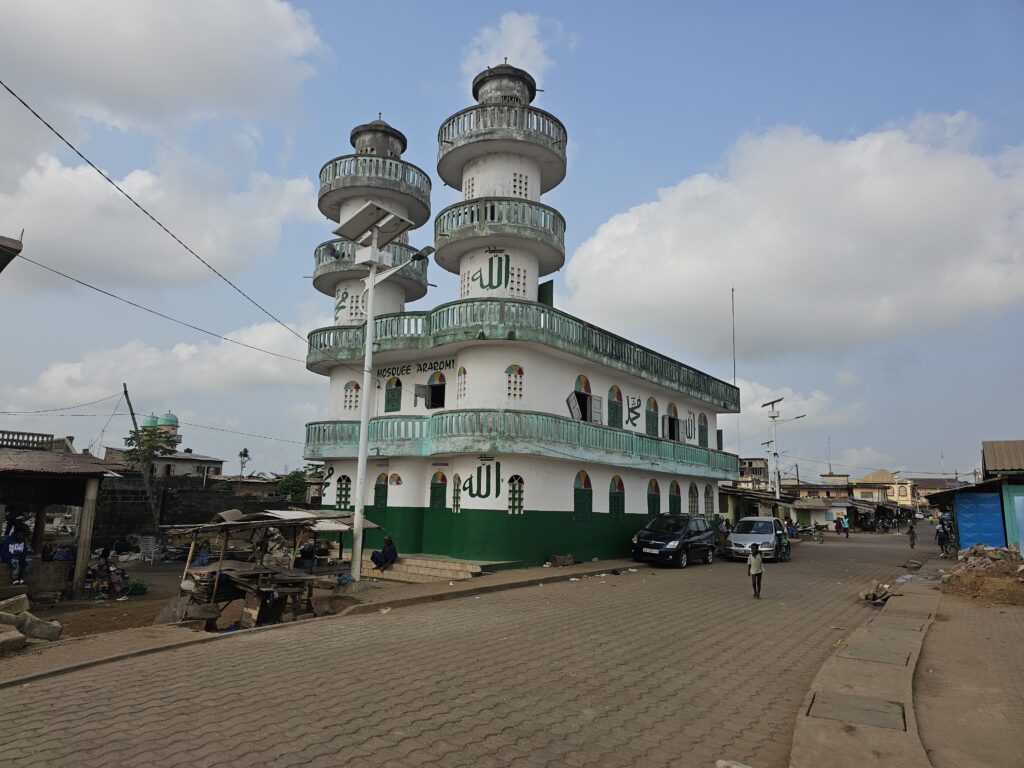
(500, 215)
(500, 121)
(339, 255)
(520, 432)
(524, 321)
(374, 171)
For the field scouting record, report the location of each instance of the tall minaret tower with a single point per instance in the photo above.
(375, 173)
(503, 154)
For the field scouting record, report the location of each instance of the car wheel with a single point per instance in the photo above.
(710, 556)
(682, 559)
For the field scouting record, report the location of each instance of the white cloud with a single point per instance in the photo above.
(147, 63)
(184, 372)
(830, 244)
(849, 380)
(819, 409)
(860, 461)
(522, 38)
(74, 218)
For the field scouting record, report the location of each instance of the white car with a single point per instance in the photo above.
(767, 532)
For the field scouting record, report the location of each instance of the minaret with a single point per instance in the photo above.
(503, 154)
(375, 173)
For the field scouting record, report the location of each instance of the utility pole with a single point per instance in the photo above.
(146, 468)
(797, 479)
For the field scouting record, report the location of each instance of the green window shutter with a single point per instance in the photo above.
(616, 505)
(694, 503)
(653, 504)
(582, 503)
(344, 496)
(652, 424)
(380, 497)
(614, 414)
(515, 498)
(438, 491)
(392, 400)
(675, 505)
(456, 499)
(702, 435)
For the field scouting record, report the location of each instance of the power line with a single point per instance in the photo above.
(150, 216)
(99, 437)
(871, 469)
(63, 408)
(155, 312)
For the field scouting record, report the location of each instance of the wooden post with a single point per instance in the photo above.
(220, 564)
(85, 523)
(38, 508)
(145, 470)
(188, 560)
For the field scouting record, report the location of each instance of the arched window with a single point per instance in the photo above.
(670, 423)
(514, 382)
(653, 498)
(709, 502)
(393, 395)
(380, 492)
(515, 495)
(438, 492)
(616, 499)
(395, 479)
(903, 491)
(583, 406)
(675, 498)
(344, 498)
(435, 390)
(615, 407)
(702, 431)
(583, 497)
(694, 507)
(350, 399)
(460, 386)
(652, 417)
(456, 494)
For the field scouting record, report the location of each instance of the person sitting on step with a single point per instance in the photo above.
(382, 558)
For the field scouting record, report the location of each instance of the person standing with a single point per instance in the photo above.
(912, 533)
(18, 554)
(755, 569)
(846, 526)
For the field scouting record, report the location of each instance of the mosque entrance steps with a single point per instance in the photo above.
(420, 568)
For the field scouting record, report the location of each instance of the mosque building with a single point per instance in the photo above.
(501, 428)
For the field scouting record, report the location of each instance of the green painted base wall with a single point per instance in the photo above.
(484, 534)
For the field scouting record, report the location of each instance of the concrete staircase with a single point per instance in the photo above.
(420, 568)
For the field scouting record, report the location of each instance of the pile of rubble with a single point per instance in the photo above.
(20, 629)
(981, 557)
(994, 573)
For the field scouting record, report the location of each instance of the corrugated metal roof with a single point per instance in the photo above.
(1003, 455)
(25, 461)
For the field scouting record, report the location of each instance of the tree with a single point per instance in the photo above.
(293, 485)
(316, 470)
(243, 460)
(144, 446)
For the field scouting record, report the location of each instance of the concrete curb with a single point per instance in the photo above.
(859, 709)
(353, 610)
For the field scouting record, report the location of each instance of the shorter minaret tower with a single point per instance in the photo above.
(503, 154)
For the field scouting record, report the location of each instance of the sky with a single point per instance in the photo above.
(855, 171)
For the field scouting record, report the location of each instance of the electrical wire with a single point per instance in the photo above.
(99, 437)
(63, 408)
(155, 312)
(150, 216)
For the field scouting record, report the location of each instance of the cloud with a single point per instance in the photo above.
(819, 409)
(147, 64)
(830, 244)
(74, 218)
(860, 461)
(187, 371)
(849, 380)
(523, 38)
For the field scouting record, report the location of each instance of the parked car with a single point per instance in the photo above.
(675, 539)
(767, 532)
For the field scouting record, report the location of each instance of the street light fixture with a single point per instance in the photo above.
(373, 226)
(773, 414)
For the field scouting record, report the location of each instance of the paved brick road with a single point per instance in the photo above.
(622, 671)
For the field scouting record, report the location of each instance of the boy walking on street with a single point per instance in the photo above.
(755, 569)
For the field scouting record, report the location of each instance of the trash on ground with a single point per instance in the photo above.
(993, 574)
(386, 610)
(573, 579)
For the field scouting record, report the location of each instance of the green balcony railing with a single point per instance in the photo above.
(520, 432)
(513, 121)
(338, 255)
(374, 171)
(525, 321)
(489, 216)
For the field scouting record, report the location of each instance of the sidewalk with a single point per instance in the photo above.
(374, 595)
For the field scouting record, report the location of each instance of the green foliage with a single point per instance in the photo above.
(146, 445)
(317, 470)
(293, 485)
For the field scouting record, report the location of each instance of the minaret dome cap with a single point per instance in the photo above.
(377, 133)
(512, 76)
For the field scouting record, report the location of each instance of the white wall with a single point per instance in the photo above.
(492, 176)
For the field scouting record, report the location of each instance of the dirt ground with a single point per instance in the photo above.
(998, 585)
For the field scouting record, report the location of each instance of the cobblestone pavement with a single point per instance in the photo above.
(657, 668)
(972, 664)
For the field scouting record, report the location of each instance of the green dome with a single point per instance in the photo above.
(149, 421)
(167, 420)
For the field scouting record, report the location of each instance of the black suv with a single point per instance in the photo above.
(675, 539)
